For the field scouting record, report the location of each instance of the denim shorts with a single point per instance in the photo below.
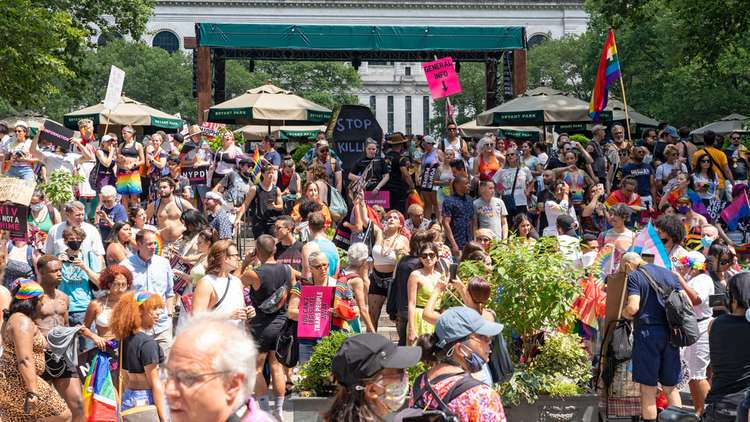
(134, 398)
(655, 359)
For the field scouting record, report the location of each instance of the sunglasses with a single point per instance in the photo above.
(429, 255)
(726, 261)
(735, 138)
(20, 131)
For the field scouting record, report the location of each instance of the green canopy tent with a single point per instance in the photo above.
(724, 126)
(127, 112)
(269, 105)
(638, 122)
(539, 107)
(471, 130)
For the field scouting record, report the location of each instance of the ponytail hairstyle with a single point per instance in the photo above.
(479, 290)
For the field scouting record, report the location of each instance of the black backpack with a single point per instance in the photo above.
(682, 321)
(420, 412)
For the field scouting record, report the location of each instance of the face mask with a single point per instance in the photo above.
(474, 362)
(706, 241)
(395, 394)
(36, 207)
(74, 244)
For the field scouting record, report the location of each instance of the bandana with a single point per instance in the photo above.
(141, 297)
(28, 289)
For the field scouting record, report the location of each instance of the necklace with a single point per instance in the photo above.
(388, 249)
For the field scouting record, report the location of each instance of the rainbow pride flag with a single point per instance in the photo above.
(99, 399)
(255, 174)
(608, 72)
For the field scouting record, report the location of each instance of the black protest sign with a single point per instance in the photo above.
(198, 176)
(56, 134)
(13, 219)
(349, 130)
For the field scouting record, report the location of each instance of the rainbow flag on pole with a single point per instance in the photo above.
(99, 399)
(608, 72)
(255, 175)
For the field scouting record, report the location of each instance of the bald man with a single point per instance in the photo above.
(211, 373)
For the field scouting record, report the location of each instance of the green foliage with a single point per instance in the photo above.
(59, 186)
(43, 43)
(326, 83)
(415, 371)
(561, 369)
(300, 152)
(214, 142)
(315, 375)
(581, 139)
(533, 287)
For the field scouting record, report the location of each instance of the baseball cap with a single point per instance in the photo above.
(671, 131)
(321, 143)
(215, 196)
(598, 127)
(458, 322)
(364, 355)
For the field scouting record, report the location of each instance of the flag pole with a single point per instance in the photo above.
(622, 89)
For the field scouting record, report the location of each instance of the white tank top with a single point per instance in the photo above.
(234, 298)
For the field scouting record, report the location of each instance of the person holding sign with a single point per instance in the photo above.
(60, 159)
(428, 172)
(129, 161)
(16, 150)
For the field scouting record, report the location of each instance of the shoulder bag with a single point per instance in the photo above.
(509, 200)
(336, 204)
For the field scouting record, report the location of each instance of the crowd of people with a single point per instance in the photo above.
(189, 284)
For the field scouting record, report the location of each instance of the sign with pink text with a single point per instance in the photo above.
(314, 311)
(441, 78)
(381, 198)
(13, 218)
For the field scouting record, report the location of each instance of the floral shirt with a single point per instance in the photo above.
(478, 404)
(461, 211)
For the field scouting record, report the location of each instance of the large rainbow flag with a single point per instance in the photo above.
(608, 72)
(255, 175)
(99, 399)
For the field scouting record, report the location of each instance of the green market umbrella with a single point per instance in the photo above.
(471, 130)
(268, 105)
(257, 132)
(724, 126)
(637, 120)
(127, 112)
(538, 107)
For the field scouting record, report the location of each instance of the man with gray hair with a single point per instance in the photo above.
(210, 373)
(74, 213)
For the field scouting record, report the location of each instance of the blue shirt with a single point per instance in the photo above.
(461, 211)
(222, 223)
(75, 282)
(642, 174)
(116, 214)
(154, 276)
(651, 310)
(273, 157)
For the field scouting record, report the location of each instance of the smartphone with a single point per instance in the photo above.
(453, 271)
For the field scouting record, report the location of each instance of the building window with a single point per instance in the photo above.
(407, 70)
(407, 113)
(373, 105)
(390, 114)
(425, 114)
(167, 41)
(536, 40)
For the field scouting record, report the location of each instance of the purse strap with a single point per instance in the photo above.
(119, 383)
(222, 296)
(515, 179)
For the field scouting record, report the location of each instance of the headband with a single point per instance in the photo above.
(28, 289)
(141, 297)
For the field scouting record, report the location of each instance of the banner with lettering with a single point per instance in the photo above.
(198, 176)
(382, 198)
(349, 130)
(441, 78)
(13, 218)
(315, 311)
(56, 134)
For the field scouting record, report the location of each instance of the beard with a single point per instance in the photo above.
(164, 195)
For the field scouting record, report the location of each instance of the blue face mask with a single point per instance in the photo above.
(474, 362)
(706, 241)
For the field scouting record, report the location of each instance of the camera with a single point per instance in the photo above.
(718, 300)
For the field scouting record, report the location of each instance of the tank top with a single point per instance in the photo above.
(43, 225)
(233, 299)
(131, 151)
(381, 258)
(487, 169)
(262, 214)
(18, 269)
(272, 277)
(429, 167)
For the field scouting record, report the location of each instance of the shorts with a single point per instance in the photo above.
(697, 355)
(266, 331)
(57, 370)
(374, 288)
(129, 182)
(134, 398)
(655, 359)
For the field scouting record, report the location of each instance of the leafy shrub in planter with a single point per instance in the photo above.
(59, 187)
(315, 375)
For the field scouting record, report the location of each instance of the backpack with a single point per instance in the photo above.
(419, 411)
(336, 204)
(682, 321)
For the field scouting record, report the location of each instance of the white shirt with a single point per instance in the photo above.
(234, 298)
(704, 287)
(55, 243)
(54, 162)
(505, 177)
(553, 210)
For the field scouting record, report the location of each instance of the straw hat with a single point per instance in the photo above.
(193, 131)
(396, 139)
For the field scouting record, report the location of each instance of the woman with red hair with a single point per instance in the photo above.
(133, 315)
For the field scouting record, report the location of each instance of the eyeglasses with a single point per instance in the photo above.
(429, 255)
(726, 261)
(20, 131)
(186, 379)
(735, 138)
(320, 266)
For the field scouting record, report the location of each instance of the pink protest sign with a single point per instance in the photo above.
(441, 78)
(381, 198)
(314, 311)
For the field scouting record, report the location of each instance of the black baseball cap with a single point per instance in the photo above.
(364, 355)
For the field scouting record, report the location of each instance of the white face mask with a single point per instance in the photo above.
(395, 393)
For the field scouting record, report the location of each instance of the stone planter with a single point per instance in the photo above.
(583, 408)
(307, 409)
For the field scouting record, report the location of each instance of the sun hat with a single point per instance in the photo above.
(396, 139)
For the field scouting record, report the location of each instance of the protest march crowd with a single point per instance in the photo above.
(163, 295)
